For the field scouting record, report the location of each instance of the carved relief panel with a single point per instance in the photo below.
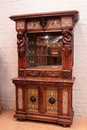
(33, 25)
(20, 25)
(66, 22)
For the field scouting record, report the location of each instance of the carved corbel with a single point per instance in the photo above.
(67, 41)
(21, 43)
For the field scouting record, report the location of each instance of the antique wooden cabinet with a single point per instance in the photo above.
(45, 45)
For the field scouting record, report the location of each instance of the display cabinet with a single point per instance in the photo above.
(44, 86)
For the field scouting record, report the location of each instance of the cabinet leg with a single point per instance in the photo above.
(65, 125)
(19, 119)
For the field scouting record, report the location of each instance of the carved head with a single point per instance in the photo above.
(67, 33)
(20, 35)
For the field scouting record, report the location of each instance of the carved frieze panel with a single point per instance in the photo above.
(33, 25)
(53, 24)
(20, 25)
(43, 24)
(33, 73)
(53, 74)
(36, 73)
(66, 22)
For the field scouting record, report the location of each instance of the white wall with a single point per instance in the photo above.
(8, 47)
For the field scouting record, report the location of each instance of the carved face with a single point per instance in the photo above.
(20, 35)
(66, 33)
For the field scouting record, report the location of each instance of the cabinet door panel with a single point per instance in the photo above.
(32, 98)
(52, 100)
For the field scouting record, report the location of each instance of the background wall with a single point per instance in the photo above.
(8, 47)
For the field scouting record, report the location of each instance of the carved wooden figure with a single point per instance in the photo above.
(45, 63)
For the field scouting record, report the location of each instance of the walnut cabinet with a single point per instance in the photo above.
(44, 86)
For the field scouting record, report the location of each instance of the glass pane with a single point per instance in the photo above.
(44, 49)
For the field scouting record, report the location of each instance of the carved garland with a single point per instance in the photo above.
(21, 43)
(53, 74)
(67, 41)
(32, 73)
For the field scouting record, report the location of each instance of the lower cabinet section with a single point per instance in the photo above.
(49, 101)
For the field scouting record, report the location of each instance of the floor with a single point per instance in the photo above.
(8, 122)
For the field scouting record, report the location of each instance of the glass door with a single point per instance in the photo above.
(44, 49)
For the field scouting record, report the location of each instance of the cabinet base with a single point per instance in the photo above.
(61, 120)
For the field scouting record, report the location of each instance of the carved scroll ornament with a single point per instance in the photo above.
(67, 41)
(21, 43)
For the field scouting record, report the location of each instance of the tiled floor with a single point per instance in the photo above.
(8, 122)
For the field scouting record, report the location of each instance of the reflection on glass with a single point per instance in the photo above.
(44, 49)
